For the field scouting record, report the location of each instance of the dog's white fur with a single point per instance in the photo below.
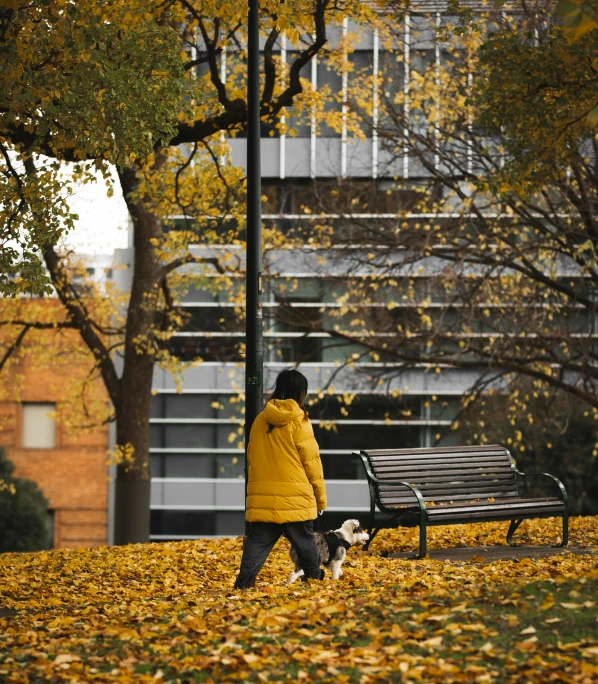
(352, 532)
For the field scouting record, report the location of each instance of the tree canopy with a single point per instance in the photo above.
(90, 83)
(168, 79)
(540, 90)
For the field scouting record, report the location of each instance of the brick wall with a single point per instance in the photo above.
(73, 475)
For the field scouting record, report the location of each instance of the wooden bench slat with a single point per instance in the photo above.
(453, 463)
(442, 478)
(447, 451)
(513, 507)
(439, 456)
(506, 502)
(461, 501)
(470, 469)
(442, 463)
(472, 474)
(421, 483)
(435, 494)
(521, 503)
(485, 516)
(426, 485)
(442, 458)
(484, 448)
(505, 499)
(456, 496)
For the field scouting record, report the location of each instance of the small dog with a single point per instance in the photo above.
(333, 547)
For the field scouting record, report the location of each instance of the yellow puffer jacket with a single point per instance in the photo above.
(286, 481)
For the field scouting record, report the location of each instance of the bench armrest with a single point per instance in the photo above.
(372, 478)
(560, 485)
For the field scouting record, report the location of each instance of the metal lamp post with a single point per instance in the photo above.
(254, 359)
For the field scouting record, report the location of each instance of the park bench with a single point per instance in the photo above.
(450, 486)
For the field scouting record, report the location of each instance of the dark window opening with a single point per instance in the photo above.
(217, 349)
(196, 523)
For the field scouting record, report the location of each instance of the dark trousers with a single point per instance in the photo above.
(261, 539)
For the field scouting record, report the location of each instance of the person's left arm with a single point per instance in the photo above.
(310, 458)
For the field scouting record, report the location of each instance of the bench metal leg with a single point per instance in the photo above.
(372, 532)
(512, 528)
(422, 541)
(565, 540)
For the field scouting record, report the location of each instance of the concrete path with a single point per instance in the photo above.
(492, 553)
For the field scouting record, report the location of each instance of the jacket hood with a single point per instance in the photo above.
(279, 412)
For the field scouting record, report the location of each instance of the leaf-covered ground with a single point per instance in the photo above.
(167, 612)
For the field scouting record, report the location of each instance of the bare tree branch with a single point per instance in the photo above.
(190, 259)
(81, 319)
(14, 346)
(235, 112)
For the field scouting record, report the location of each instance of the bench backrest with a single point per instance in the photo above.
(443, 474)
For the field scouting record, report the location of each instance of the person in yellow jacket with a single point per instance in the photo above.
(285, 488)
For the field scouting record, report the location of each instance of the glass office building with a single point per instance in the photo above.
(197, 457)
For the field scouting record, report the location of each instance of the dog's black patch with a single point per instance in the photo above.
(334, 542)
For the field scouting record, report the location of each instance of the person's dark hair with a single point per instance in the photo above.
(291, 384)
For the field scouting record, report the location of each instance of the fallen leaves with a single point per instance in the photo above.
(167, 612)
(548, 602)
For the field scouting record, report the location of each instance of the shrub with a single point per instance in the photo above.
(23, 512)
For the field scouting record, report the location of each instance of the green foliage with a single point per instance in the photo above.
(23, 512)
(579, 16)
(28, 222)
(539, 93)
(76, 84)
(88, 88)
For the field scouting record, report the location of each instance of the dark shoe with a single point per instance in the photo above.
(244, 582)
(321, 576)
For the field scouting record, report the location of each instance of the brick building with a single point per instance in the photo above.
(40, 437)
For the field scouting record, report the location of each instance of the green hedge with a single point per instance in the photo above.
(24, 523)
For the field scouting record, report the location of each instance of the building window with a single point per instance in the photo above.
(39, 426)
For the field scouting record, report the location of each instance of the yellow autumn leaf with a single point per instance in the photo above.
(548, 602)
(528, 630)
(433, 642)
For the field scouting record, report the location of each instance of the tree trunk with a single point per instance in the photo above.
(132, 495)
(132, 505)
